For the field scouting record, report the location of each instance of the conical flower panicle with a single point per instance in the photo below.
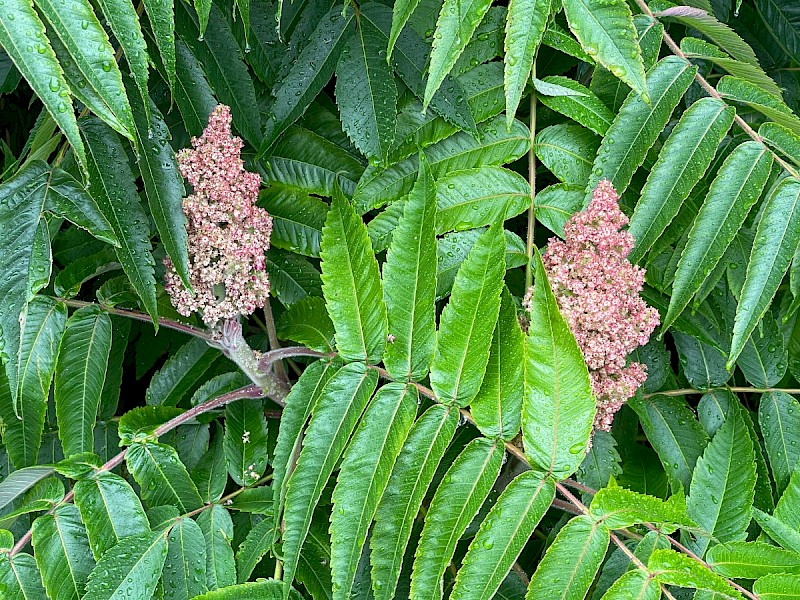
(228, 233)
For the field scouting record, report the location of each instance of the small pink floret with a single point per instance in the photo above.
(597, 290)
(228, 233)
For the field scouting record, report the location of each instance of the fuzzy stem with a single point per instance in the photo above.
(734, 389)
(676, 50)
(140, 316)
(249, 391)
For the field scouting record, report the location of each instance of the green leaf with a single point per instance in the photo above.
(723, 485)
(253, 548)
(468, 320)
(739, 90)
(41, 69)
(777, 587)
(24, 199)
(638, 123)
(678, 569)
(751, 560)
(161, 15)
(265, 589)
(695, 140)
(455, 503)
(89, 47)
(674, 432)
(634, 584)
(62, 552)
(307, 322)
(782, 139)
(565, 149)
(16, 483)
(43, 320)
(246, 440)
(210, 474)
(68, 198)
(124, 22)
(301, 83)
(183, 370)
(735, 189)
(497, 406)
(478, 197)
(606, 32)
(571, 562)
(304, 159)
(783, 19)
(713, 409)
(454, 28)
(764, 357)
(493, 146)
(582, 106)
(618, 507)
(292, 277)
(131, 569)
(698, 49)
(111, 510)
(297, 219)
(80, 373)
(162, 183)
(412, 474)
(20, 577)
(312, 571)
(192, 94)
(352, 284)
(719, 33)
(409, 276)
(335, 416)
(411, 61)
(366, 93)
(499, 542)
(401, 12)
(601, 463)
(558, 407)
(777, 237)
(185, 565)
(43, 496)
(525, 28)
(162, 476)
(299, 403)
(143, 421)
(218, 53)
(779, 422)
(703, 365)
(363, 477)
(555, 204)
(783, 533)
(111, 184)
(217, 527)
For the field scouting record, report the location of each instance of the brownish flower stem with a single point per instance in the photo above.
(249, 391)
(274, 342)
(734, 389)
(676, 50)
(140, 316)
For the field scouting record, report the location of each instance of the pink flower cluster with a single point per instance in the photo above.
(228, 233)
(598, 289)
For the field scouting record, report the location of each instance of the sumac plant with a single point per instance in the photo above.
(422, 299)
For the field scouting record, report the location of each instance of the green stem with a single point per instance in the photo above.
(734, 389)
(532, 183)
(249, 391)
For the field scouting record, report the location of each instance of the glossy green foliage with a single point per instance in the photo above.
(558, 408)
(400, 416)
